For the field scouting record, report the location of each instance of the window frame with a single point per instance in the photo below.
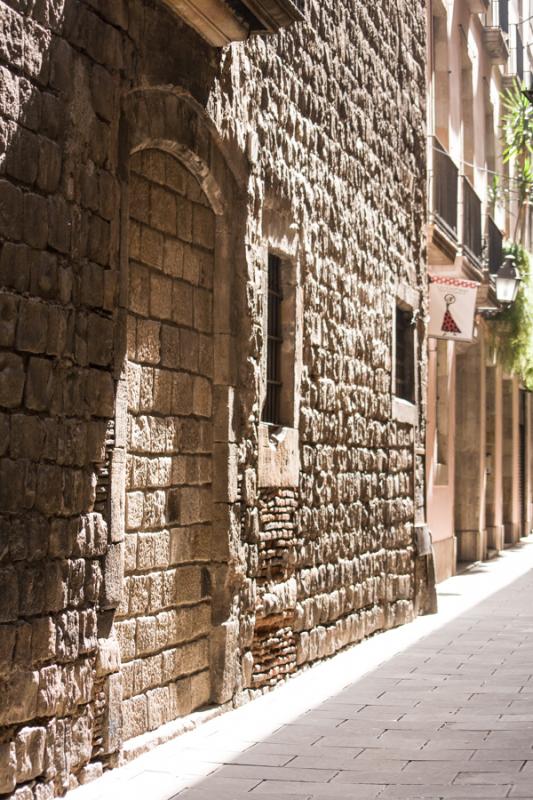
(271, 412)
(405, 410)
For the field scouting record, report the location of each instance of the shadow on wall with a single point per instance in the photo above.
(64, 67)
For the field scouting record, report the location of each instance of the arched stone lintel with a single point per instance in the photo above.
(169, 118)
(191, 163)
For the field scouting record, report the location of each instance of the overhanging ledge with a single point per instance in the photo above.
(221, 22)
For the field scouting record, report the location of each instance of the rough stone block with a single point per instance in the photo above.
(134, 510)
(44, 275)
(146, 390)
(112, 727)
(139, 198)
(188, 584)
(184, 219)
(173, 254)
(49, 496)
(11, 380)
(35, 221)
(59, 223)
(58, 331)
(203, 227)
(21, 160)
(161, 297)
(134, 716)
(100, 393)
(148, 341)
(146, 635)
(9, 94)
(67, 636)
(203, 313)
(39, 384)
(100, 340)
(112, 576)
(8, 319)
(152, 247)
(139, 289)
(29, 746)
(159, 707)
(163, 210)
(202, 397)
(195, 505)
(140, 434)
(15, 266)
(32, 327)
(125, 633)
(200, 689)
(8, 765)
(49, 170)
(170, 352)
(43, 640)
(9, 597)
(8, 635)
(193, 656)
(37, 40)
(90, 772)
(154, 509)
(19, 693)
(182, 302)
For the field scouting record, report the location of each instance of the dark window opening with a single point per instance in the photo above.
(503, 8)
(272, 407)
(405, 356)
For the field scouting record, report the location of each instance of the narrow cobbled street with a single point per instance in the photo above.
(447, 712)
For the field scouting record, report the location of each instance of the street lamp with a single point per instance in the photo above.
(507, 281)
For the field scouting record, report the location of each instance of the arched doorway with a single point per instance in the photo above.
(169, 443)
(176, 624)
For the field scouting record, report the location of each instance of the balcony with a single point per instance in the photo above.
(494, 246)
(471, 228)
(221, 22)
(443, 212)
(495, 32)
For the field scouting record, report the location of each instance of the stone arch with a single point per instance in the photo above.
(177, 346)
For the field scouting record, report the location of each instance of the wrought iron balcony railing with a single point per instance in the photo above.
(472, 236)
(445, 175)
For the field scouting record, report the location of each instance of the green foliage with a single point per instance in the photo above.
(517, 124)
(517, 136)
(512, 330)
(494, 191)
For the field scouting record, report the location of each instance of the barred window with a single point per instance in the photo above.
(404, 356)
(272, 406)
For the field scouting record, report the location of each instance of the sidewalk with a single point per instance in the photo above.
(441, 708)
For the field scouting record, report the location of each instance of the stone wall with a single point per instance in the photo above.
(150, 562)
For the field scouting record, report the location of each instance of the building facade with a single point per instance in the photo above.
(479, 416)
(213, 359)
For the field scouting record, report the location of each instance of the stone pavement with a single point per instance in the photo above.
(442, 708)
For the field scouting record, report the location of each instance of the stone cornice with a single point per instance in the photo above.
(221, 22)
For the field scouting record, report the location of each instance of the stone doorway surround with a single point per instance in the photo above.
(170, 122)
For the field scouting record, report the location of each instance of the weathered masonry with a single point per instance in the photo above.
(212, 359)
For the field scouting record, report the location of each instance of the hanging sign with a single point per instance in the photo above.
(452, 308)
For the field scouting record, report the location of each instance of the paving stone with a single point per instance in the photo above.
(318, 790)
(316, 774)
